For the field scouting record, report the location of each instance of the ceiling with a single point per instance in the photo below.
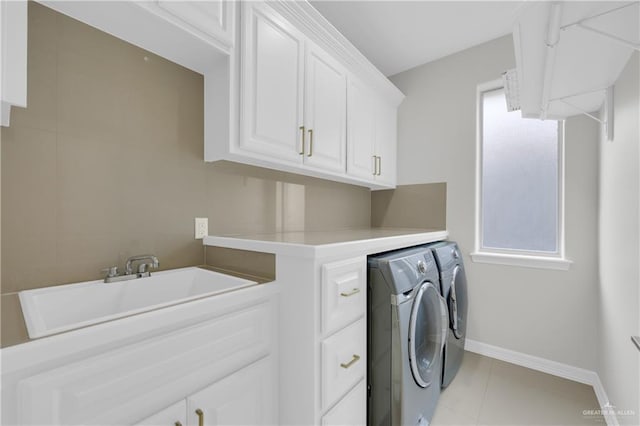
(398, 35)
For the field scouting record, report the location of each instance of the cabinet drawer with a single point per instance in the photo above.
(343, 361)
(351, 410)
(344, 286)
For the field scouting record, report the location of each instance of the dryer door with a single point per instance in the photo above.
(427, 334)
(457, 302)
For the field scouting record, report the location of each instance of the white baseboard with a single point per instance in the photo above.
(559, 369)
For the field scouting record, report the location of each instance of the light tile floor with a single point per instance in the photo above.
(491, 392)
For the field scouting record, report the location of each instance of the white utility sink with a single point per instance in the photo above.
(55, 309)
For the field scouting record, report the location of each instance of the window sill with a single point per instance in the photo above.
(538, 262)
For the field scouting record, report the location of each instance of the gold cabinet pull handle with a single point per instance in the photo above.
(200, 417)
(310, 143)
(350, 293)
(355, 359)
(301, 128)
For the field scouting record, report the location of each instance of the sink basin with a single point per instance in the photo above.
(55, 309)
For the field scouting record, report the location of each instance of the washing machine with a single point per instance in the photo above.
(453, 284)
(407, 327)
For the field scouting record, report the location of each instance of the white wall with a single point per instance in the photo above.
(550, 314)
(619, 360)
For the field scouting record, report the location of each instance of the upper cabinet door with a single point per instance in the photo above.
(170, 416)
(386, 143)
(272, 85)
(325, 112)
(213, 17)
(361, 127)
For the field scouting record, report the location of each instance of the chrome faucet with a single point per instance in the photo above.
(152, 262)
(147, 261)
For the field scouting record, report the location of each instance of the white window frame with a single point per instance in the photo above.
(515, 257)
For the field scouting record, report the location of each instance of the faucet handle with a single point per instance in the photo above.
(112, 271)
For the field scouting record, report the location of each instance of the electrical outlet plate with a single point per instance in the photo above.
(202, 227)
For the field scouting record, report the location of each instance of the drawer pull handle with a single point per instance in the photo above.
(350, 293)
(355, 359)
(200, 417)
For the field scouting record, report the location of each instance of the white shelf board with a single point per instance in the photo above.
(585, 64)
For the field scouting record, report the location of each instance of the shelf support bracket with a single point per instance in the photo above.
(607, 121)
(583, 112)
(611, 37)
(614, 38)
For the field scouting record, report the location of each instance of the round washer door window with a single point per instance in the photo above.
(425, 335)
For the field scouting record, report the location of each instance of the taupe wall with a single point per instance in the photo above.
(619, 292)
(107, 162)
(550, 314)
(410, 206)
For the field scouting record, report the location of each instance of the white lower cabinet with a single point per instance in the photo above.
(349, 412)
(246, 397)
(323, 339)
(215, 357)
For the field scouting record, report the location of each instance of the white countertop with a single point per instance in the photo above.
(327, 243)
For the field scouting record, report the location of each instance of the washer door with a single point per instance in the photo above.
(427, 333)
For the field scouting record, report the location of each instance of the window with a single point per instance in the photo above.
(519, 212)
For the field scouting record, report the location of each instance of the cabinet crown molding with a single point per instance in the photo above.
(304, 16)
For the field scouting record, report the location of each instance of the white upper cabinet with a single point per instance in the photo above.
(296, 112)
(325, 113)
(272, 85)
(293, 96)
(13, 52)
(213, 17)
(174, 415)
(362, 131)
(386, 143)
(372, 139)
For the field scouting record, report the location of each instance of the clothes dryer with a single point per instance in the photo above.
(453, 285)
(407, 326)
